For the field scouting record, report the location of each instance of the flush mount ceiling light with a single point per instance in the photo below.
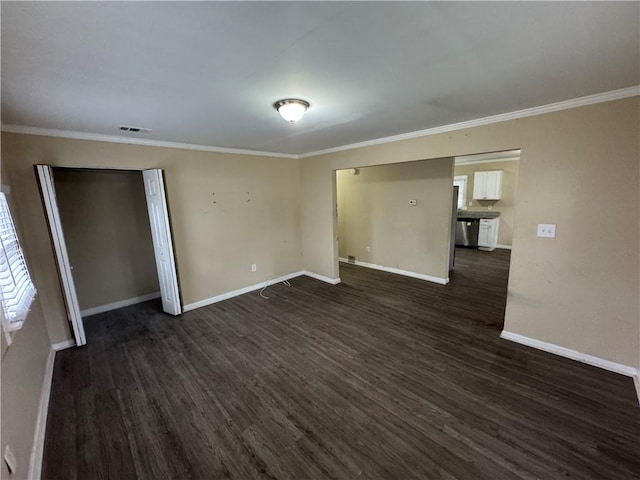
(291, 109)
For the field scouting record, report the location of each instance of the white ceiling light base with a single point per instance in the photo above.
(291, 109)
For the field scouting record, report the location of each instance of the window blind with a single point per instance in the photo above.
(16, 288)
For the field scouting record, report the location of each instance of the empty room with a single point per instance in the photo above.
(320, 240)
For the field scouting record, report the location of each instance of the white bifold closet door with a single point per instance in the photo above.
(162, 242)
(160, 233)
(45, 175)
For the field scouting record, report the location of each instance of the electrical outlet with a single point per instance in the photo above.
(254, 267)
(547, 230)
(10, 460)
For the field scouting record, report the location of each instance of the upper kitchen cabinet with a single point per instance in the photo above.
(487, 185)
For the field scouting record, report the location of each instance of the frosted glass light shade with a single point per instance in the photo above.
(291, 109)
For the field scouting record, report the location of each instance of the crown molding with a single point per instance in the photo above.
(528, 112)
(48, 132)
(504, 156)
(460, 163)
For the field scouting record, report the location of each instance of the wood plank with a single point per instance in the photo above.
(379, 377)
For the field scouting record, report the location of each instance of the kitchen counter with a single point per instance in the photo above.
(469, 215)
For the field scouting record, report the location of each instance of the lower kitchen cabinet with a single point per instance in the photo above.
(488, 234)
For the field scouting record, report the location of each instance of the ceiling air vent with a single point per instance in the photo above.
(126, 128)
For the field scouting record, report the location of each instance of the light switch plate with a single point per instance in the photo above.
(547, 230)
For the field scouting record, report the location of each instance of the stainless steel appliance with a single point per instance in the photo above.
(467, 232)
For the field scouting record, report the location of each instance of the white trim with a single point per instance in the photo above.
(52, 215)
(406, 273)
(63, 345)
(240, 291)
(461, 182)
(503, 117)
(99, 137)
(504, 247)
(476, 162)
(37, 448)
(572, 354)
(322, 278)
(578, 356)
(528, 112)
(119, 304)
(489, 156)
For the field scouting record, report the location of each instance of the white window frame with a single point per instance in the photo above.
(460, 181)
(17, 291)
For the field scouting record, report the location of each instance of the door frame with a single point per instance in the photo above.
(47, 188)
(44, 174)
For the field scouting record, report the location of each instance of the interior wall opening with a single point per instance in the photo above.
(108, 237)
(397, 217)
(161, 236)
(406, 218)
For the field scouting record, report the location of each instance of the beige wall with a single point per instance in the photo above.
(215, 243)
(579, 169)
(374, 211)
(106, 227)
(319, 223)
(506, 205)
(23, 368)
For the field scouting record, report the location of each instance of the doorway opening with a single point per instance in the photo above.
(389, 217)
(403, 218)
(484, 227)
(111, 235)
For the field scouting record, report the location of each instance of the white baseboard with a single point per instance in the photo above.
(322, 278)
(572, 354)
(63, 345)
(240, 291)
(37, 448)
(406, 273)
(575, 355)
(115, 305)
(505, 247)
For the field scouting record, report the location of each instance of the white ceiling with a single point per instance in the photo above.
(208, 73)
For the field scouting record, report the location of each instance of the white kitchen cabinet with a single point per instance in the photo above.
(488, 234)
(487, 185)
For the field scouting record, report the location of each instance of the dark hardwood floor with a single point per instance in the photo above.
(380, 377)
